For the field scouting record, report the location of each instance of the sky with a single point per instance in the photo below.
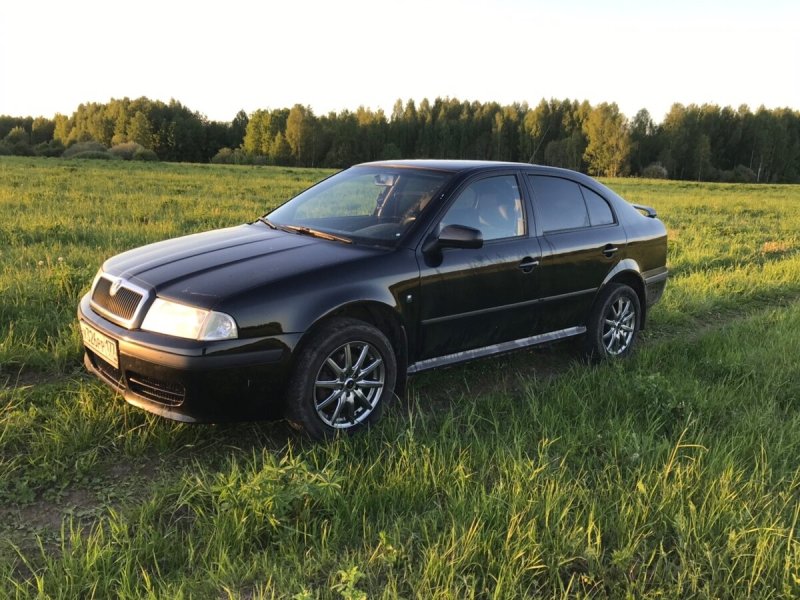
(222, 56)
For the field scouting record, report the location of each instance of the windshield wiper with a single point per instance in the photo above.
(272, 225)
(267, 222)
(305, 231)
(316, 233)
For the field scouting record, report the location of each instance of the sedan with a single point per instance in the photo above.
(320, 309)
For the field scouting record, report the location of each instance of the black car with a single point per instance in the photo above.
(319, 310)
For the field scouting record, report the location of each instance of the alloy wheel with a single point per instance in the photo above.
(349, 385)
(619, 325)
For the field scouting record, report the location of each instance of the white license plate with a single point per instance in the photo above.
(100, 344)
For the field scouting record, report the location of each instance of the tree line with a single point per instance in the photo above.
(699, 142)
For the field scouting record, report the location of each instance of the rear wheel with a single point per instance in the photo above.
(614, 323)
(345, 375)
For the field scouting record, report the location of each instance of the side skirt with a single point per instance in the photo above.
(457, 357)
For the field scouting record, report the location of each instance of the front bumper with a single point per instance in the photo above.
(193, 381)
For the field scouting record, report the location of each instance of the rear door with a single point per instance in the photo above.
(581, 241)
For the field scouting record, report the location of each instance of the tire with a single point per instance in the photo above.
(345, 374)
(613, 324)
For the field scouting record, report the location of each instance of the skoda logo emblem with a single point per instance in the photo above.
(115, 287)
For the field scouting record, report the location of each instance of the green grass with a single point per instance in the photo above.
(674, 474)
(61, 219)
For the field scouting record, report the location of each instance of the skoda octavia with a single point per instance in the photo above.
(319, 310)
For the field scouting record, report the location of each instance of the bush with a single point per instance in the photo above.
(5, 149)
(17, 142)
(223, 157)
(711, 174)
(82, 147)
(145, 154)
(742, 174)
(655, 171)
(50, 149)
(126, 150)
(17, 135)
(93, 154)
(226, 156)
(22, 149)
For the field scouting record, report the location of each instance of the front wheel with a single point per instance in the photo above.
(344, 376)
(614, 323)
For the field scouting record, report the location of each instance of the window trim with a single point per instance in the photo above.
(542, 231)
(527, 215)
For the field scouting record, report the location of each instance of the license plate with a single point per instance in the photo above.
(100, 344)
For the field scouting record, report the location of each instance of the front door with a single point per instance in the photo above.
(473, 298)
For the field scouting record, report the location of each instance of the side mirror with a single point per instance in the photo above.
(454, 236)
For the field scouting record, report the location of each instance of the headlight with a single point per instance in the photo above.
(185, 321)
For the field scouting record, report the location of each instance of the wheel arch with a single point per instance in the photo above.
(379, 315)
(627, 272)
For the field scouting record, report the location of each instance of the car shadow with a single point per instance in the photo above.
(430, 391)
(497, 372)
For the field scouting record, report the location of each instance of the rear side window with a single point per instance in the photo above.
(599, 211)
(559, 202)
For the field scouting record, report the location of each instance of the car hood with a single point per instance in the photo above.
(205, 268)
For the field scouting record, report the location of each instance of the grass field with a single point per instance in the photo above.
(672, 475)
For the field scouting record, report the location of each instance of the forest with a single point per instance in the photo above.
(693, 142)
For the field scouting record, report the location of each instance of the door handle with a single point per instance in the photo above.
(527, 264)
(609, 250)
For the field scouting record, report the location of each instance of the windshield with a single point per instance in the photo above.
(373, 205)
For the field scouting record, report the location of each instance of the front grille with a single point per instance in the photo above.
(122, 304)
(163, 392)
(108, 371)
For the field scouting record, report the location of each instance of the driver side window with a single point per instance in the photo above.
(492, 205)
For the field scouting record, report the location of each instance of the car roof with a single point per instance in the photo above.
(471, 166)
(445, 165)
